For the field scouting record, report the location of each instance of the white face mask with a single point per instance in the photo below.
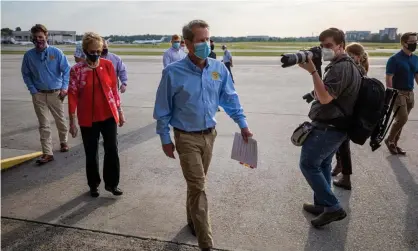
(328, 54)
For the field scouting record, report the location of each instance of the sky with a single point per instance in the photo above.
(226, 18)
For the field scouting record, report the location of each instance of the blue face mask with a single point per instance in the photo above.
(176, 45)
(202, 50)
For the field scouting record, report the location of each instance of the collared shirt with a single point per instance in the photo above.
(227, 56)
(120, 67)
(45, 70)
(188, 97)
(342, 80)
(403, 68)
(172, 55)
(79, 51)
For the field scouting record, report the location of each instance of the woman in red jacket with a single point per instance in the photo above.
(93, 93)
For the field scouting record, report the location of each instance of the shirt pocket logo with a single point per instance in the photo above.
(215, 75)
(51, 57)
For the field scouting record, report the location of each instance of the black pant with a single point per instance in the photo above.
(111, 165)
(228, 66)
(344, 157)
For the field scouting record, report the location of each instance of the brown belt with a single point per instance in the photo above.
(206, 131)
(48, 91)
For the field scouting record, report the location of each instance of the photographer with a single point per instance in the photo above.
(337, 91)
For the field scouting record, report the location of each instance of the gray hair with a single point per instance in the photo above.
(187, 29)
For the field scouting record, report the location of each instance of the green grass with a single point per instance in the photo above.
(253, 45)
(237, 53)
(261, 45)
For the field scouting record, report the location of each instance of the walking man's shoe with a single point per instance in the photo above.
(45, 158)
(328, 217)
(400, 150)
(114, 190)
(313, 209)
(391, 147)
(64, 147)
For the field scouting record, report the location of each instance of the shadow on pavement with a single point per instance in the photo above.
(183, 236)
(29, 175)
(410, 188)
(27, 238)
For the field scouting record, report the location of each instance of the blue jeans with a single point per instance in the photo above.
(315, 162)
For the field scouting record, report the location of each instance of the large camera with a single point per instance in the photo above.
(302, 56)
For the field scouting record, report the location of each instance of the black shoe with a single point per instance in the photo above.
(400, 151)
(328, 217)
(114, 190)
(344, 182)
(206, 249)
(94, 192)
(191, 228)
(313, 209)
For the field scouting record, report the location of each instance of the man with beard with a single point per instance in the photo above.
(45, 71)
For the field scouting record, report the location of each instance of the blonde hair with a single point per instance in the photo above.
(92, 38)
(358, 50)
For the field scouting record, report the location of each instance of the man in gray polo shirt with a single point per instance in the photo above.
(341, 84)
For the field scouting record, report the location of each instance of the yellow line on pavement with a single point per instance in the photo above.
(10, 162)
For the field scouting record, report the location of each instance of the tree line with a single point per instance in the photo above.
(129, 39)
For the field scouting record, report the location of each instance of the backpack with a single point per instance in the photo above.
(368, 109)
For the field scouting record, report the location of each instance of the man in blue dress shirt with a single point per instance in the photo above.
(174, 53)
(45, 71)
(187, 99)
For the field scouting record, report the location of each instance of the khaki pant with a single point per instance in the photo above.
(43, 103)
(405, 102)
(195, 151)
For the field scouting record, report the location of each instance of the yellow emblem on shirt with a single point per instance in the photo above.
(215, 75)
(51, 57)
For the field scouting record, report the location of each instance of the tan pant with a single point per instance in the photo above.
(195, 151)
(405, 102)
(43, 103)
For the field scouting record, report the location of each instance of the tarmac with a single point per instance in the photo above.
(48, 207)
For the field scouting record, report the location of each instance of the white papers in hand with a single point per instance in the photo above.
(246, 153)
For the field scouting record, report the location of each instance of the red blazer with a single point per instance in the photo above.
(80, 90)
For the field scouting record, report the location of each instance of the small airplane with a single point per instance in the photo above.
(153, 41)
(20, 42)
(79, 41)
(69, 41)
